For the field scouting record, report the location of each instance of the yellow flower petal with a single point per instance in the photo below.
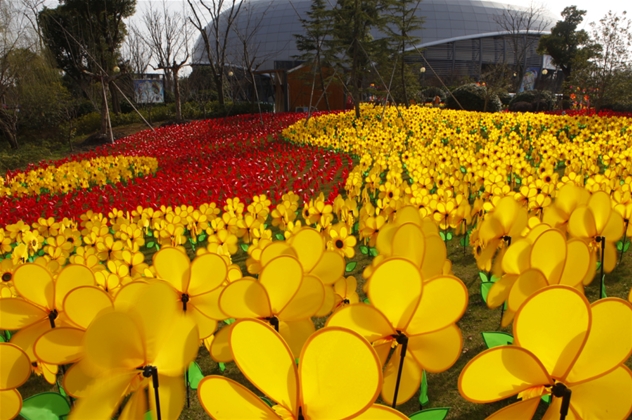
(17, 313)
(26, 337)
(173, 266)
(172, 396)
(10, 404)
(114, 341)
(220, 347)
(526, 285)
(328, 302)
(437, 351)
(582, 223)
(499, 373)
(499, 292)
(577, 263)
(224, 399)
(548, 254)
(77, 380)
(296, 333)
(306, 301)
(409, 382)
(381, 412)
(71, 277)
(329, 268)
(609, 343)
(282, 279)
(35, 284)
(409, 243)
(15, 367)
(84, 303)
(179, 346)
(276, 249)
(245, 298)
(516, 259)
(434, 258)
(102, 397)
(364, 319)
(205, 325)
(395, 289)
(208, 272)
(136, 407)
(60, 346)
(339, 373)
(208, 304)
(558, 345)
(309, 246)
(606, 397)
(266, 361)
(522, 410)
(442, 303)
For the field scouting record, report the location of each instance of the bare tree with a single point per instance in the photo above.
(521, 26)
(250, 58)
(214, 19)
(167, 34)
(135, 51)
(15, 35)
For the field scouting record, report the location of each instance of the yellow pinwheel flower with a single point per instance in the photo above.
(317, 389)
(541, 259)
(15, 369)
(568, 198)
(282, 296)
(580, 355)
(499, 228)
(342, 241)
(40, 307)
(600, 226)
(63, 345)
(345, 289)
(148, 345)
(421, 326)
(197, 285)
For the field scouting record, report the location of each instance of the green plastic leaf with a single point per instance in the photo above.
(267, 401)
(201, 237)
(367, 301)
(626, 247)
(244, 247)
(195, 375)
(279, 236)
(619, 245)
(373, 252)
(546, 398)
(603, 287)
(483, 277)
(148, 416)
(423, 390)
(465, 241)
(229, 321)
(364, 249)
(449, 236)
(151, 244)
(442, 235)
(351, 266)
(62, 391)
(2, 340)
(431, 414)
(222, 367)
(495, 339)
(485, 290)
(45, 406)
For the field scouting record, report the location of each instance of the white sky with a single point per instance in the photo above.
(595, 9)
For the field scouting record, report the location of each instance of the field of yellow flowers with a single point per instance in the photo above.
(415, 263)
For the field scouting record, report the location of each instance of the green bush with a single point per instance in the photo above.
(542, 100)
(472, 98)
(429, 93)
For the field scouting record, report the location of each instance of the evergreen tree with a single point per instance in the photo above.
(312, 45)
(402, 20)
(566, 44)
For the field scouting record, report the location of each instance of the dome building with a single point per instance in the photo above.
(459, 38)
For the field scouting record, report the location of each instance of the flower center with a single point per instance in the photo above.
(339, 244)
(7, 276)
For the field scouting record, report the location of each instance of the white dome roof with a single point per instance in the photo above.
(277, 21)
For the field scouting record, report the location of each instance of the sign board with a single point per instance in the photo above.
(149, 91)
(547, 62)
(529, 79)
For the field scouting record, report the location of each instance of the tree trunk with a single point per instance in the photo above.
(322, 83)
(176, 93)
(219, 85)
(116, 106)
(9, 126)
(104, 109)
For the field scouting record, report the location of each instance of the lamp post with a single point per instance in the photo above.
(422, 71)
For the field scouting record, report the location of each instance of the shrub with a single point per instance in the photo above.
(429, 93)
(540, 100)
(472, 98)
